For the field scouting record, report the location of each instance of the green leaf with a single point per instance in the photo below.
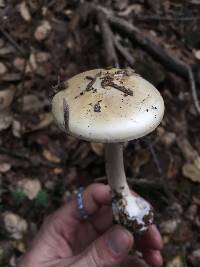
(41, 199)
(18, 197)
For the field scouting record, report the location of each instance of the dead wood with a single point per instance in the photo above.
(156, 51)
(108, 41)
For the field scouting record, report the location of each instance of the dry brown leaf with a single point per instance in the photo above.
(140, 160)
(11, 77)
(167, 138)
(191, 172)
(13, 261)
(196, 201)
(2, 3)
(6, 97)
(19, 63)
(166, 239)
(20, 246)
(24, 11)
(48, 155)
(45, 120)
(42, 57)
(98, 148)
(5, 119)
(191, 155)
(136, 8)
(31, 103)
(32, 64)
(191, 212)
(4, 167)
(175, 262)
(195, 257)
(17, 128)
(183, 233)
(8, 49)
(42, 31)
(30, 187)
(15, 225)
(197, 54)
(3, 68)
(120, 5)
(57, 171)
(169, 227)
(197, 2)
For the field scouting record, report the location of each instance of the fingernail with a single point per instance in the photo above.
(119, 241)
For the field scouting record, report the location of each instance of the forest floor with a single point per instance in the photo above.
(43, 43)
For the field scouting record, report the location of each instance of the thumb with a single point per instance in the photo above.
(108, 250)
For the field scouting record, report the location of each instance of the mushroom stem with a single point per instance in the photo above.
(129, 210)
(115, 168)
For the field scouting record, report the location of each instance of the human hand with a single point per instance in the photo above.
(65, 240)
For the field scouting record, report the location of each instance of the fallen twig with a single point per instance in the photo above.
(13, 42)
(193, 88)
(111, 56)
(14, 154)
(142, 182)
(124, 52)
(165, 185)
(151, 185)
(156, 51)
(155, 159)
(175, 19)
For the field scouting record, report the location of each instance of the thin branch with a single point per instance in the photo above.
(124, 52)
(155, 158)
(160, 54)
(145, 183)
(193, 88)
(111, 56)
(165, 185)
(13, 42)
(175, 19)
(13, 153)
(156, 51)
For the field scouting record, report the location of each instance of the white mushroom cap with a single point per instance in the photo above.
(108, 106)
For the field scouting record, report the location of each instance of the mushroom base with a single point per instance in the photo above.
(132, 212)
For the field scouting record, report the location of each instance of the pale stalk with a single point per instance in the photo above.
(115, 168)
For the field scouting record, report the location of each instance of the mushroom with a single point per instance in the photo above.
(112, 106)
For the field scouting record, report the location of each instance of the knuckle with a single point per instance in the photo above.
(95, 258)
(99, 256)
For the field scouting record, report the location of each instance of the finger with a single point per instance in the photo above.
(150, 239)
(133, 261)
(109, 250)
(94, 197)
(153, 257)
(103, 220)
